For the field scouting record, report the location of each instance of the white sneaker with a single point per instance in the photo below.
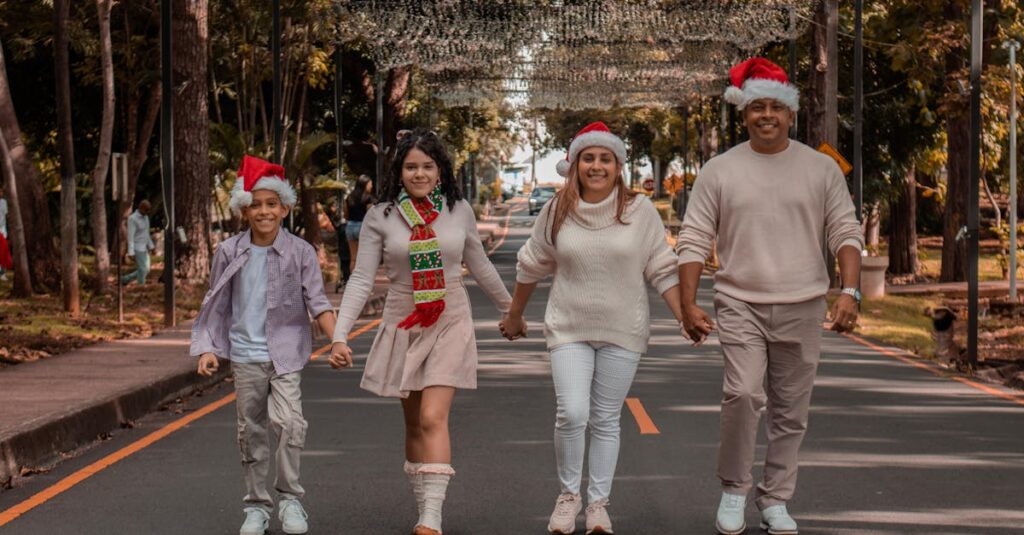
(293, 517)
(257, 521)
(730, 519)
(597, 518)
(777, 521)
(563, 518)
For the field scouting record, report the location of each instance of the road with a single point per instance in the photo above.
(893, 447)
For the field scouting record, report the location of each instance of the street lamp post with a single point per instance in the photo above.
(1013, 46)
(977, 7)
(167, 157)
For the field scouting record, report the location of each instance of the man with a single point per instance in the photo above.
(139, 242)
(771, 203)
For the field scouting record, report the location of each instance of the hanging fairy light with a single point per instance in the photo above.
(556, 54)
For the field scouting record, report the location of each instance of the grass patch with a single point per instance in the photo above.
(898, 321)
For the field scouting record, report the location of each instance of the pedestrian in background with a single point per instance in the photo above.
(265, 284)
(426, 345)
(6, 262)
(358, 203)
(336, 212)
(771, 204)
(140, 243)
(601, 242)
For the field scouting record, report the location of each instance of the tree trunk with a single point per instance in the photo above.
(98, 215)
(823, 85)
(872, 226)
(958, 162)
(903, 227)
(15, 227)
(35, 214)
(65, 143)
(192, 191)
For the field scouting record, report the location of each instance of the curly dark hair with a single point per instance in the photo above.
(430, 144)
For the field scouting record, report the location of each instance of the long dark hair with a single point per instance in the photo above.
(431, 145)
(359, 195)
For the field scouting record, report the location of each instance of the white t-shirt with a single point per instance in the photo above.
(248, 334)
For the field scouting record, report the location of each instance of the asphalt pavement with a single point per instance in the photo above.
(894, 446)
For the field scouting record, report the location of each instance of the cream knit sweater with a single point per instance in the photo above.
(772, 215)
(599, 268)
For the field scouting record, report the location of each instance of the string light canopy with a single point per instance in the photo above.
(569, 54)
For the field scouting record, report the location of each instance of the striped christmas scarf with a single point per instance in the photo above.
(428, 289)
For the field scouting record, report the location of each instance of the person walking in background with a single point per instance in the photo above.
(772, 204)
(602, 243)
(140, 243)
(358, 203)
(336, 212)
(6, 262)
(425, 347)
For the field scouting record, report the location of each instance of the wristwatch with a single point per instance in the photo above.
(854, 293)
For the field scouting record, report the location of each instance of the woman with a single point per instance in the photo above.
(356, 206)
(601, 242)
(425, 346)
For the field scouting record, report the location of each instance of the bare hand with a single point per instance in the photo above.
(844, 314)
(512, 327)
(341, 356)
(697, 325)
(208, 365)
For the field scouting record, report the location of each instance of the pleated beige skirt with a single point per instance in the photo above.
(408, 360)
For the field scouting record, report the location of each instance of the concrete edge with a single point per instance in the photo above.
(45, 444)
(48, 442)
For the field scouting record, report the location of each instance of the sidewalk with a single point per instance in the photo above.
(953, 289)
(57, 405)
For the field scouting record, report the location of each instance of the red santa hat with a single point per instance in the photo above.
(759, 78)
(593, 135)
(257, 174)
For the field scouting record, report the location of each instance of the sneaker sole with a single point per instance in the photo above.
(723, 531)
(295, 531)
(771, 531)
(556, 531)
(599, 530)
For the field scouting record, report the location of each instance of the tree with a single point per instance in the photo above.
(68, 194)
(193, 184)
(823, 82)
(98, 215)
(35, 214)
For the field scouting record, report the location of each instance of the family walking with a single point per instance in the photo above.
(602, 245)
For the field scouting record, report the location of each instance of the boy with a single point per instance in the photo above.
(263, 284)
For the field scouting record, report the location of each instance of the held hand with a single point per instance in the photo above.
(844, 314)
(208, 365)
(696, 324)
(512, 327)
(341, 356)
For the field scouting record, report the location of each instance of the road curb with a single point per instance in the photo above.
(37, 445)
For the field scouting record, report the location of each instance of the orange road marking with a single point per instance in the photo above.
(504, 235)
(969, 382)
(647, 426)
(319, 352)
(81, 475)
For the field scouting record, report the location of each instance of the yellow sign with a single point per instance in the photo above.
(844, 165)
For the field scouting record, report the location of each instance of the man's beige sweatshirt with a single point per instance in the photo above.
(772, 216)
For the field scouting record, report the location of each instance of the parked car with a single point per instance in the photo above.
(539, 197)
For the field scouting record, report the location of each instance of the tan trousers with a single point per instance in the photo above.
(771, 356)
(265, 397)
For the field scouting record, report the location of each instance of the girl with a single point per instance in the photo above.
(601, 241)
(425, 346)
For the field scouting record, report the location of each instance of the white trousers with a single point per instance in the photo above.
(591, 383)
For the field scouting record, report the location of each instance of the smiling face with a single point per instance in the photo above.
(265, 215)
(420, 173)
(768, 122)
(598, 171)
